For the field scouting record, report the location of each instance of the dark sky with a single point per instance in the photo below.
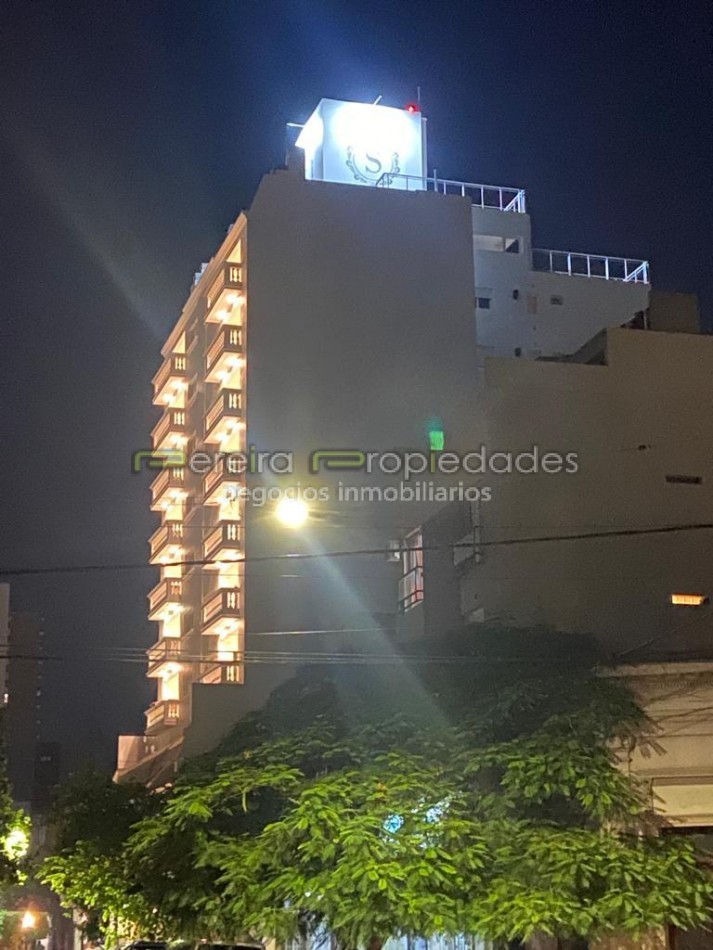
(133, 133)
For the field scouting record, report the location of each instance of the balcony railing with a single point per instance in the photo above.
(171, 483)
(225, 295)
(166, 597)
(575, 264)
(221, 418)
(482, 196)
(164, 713)
(221, 610)
(166, 650)
(228, 474)
(173, 372)
(171, 533)
(172, 426)
(223, 352)
(216, 669)
(224, 543)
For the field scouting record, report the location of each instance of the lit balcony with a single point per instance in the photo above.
(166, 599)
(224, 415)
(218, 669)
(169, 489)
(225, 295)
(224, 354)
(166, 543)
(165, 651)
(171, 431)
(163, 714)
(224, 543)
(224, 482)
(222, 611)
(170, 379)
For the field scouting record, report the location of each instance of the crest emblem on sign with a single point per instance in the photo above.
(372, 169)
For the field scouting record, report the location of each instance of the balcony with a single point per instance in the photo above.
(225, 295)
(224, 543)
(224, 416)
(574, 264)
(163, 714)
(224, 483)
(166, 599)
(170, 379)
(217, 669)
(169, 489)
(222, 611)
(166, 650)
(171, 431)
(166, 543)
(224, 354)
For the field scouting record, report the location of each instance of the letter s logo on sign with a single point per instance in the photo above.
(371, 169)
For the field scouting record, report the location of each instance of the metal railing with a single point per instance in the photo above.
(226, 600)
(168, 712)
(483, 196)
(576, 264)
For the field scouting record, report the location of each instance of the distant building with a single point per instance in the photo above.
(23, 704)
(4, 639)
(354, 301)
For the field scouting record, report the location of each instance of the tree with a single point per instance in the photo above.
(14, 825)
(92, 819)
(470, 787)
(477, 794)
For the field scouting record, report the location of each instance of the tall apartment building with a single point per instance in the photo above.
(354, 301)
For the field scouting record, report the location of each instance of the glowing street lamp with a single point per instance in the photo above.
(292, 512)
(29, 920)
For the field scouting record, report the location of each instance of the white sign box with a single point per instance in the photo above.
(359, 144)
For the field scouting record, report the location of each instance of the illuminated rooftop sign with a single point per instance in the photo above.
(360, 144)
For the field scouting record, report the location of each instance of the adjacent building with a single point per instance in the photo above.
(356, 300)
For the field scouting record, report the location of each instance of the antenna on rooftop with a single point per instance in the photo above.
(377, 100)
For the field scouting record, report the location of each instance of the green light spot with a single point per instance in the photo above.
(437, 440)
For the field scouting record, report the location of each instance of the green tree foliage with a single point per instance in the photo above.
(93, 819)
(14, 825)
(475, 794)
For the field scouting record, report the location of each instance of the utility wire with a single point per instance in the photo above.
(363, 552)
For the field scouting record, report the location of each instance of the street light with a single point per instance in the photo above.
(29, 920)
(292, 512)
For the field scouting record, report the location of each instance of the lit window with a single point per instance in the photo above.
(688, 600)
(482, 303)
(411, 582)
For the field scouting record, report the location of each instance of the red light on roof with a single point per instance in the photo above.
(413, 107)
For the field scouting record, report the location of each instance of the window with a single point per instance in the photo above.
(684, 479)
(516, 295)
(411, 582)
(494, 242)
(556, 300)
(688, 600)
(482, 303)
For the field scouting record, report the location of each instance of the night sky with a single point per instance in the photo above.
(134, 132)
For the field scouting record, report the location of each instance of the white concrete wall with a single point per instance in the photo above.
(521, 313)
(632, 423)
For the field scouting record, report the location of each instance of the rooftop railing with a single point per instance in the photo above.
(483, 196)
(591, 265)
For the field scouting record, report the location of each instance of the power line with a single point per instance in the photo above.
(363, 552)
